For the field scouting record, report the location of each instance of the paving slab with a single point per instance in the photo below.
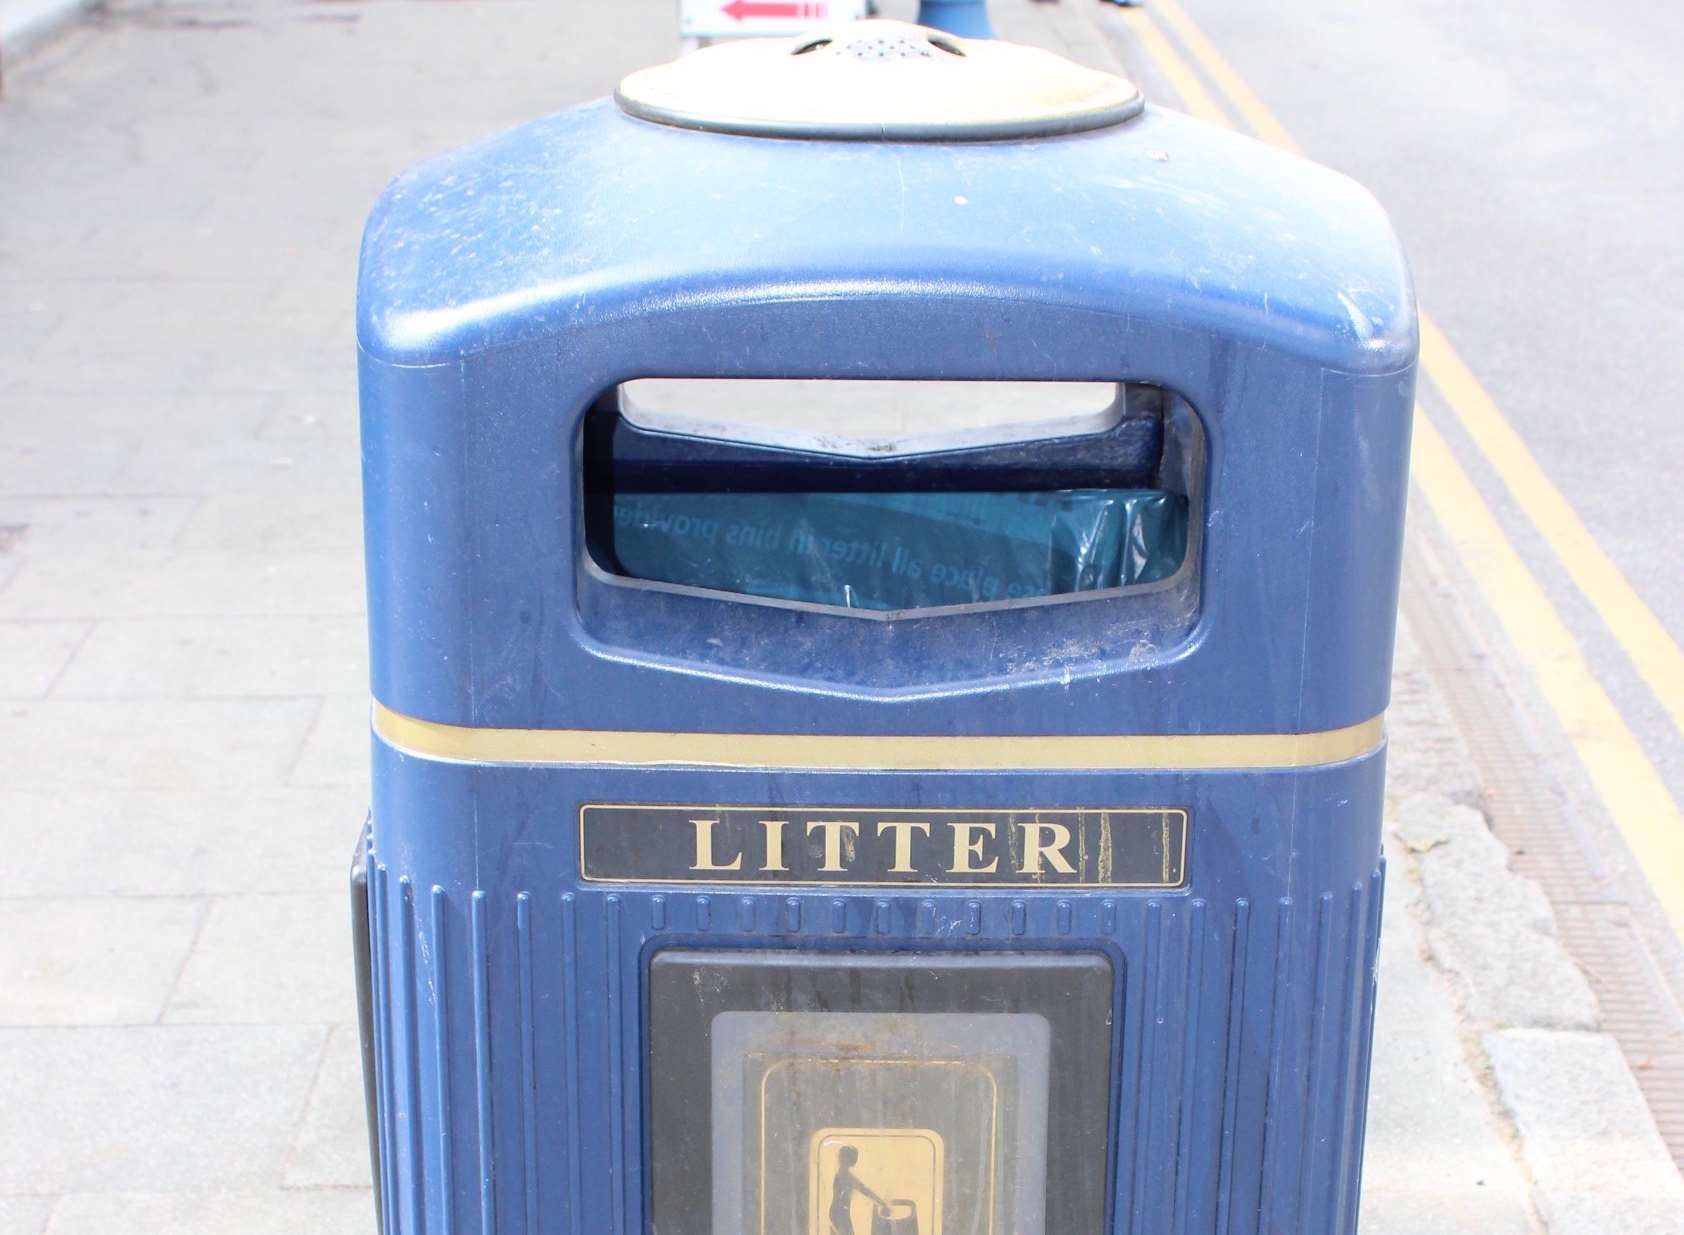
(34, 654)
(267, 522)
(170, 744)
(173, 841)
(25, 1215)
(93, 583)
(328, 369)
(336, 751)
(152, 319)
(159, 1108)
(88, 402)
(1597, 1162)
(1495, 932)
(201, 658)
(56, 361)
(331, 1148)
(26, 326)
(51, 524)
(92, 960)
(310, 416)
(1426, 752)
(36, 232)
(267, 958)
(233, 463)
(173, 246)
(33, 462)
(1438, 1159)
(278, 1211)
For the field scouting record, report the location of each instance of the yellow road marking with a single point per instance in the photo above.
(1259, 117)
(1630, 786)
(1633, 624)
(1182, 79)
(1627, 781)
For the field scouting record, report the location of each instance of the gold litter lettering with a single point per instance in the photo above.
(967, 846)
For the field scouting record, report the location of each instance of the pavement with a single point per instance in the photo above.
(183, 706)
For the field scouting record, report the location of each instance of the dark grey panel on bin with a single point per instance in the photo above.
(362, 960)
(1019, 1044)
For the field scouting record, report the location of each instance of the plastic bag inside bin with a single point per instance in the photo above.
(902, 550)
(962, 527)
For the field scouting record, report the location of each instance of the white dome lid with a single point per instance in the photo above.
(879, 80)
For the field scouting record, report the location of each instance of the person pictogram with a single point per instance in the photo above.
(903, 1197)
(842, 1189)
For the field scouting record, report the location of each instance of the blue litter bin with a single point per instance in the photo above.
(725, 873)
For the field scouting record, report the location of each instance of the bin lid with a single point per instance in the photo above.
(879, 80)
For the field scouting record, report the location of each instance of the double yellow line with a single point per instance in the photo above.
(1625, 778)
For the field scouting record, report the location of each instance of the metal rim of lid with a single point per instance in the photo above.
(879, 80)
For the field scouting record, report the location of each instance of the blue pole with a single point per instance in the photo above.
(966, 18)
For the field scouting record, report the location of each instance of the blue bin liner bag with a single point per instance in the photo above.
(901, 550)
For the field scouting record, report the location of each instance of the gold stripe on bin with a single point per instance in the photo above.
(878, 752)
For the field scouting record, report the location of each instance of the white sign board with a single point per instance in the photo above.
(718, 19)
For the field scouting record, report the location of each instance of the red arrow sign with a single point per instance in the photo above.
(747, 10)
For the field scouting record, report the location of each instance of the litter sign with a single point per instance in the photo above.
(713, 19)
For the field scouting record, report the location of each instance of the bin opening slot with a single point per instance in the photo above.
(885, 496)
(869, 419)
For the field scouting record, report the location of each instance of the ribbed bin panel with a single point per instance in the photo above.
(510, 1072)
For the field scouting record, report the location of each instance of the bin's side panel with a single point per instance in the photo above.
(416, 531)
(512, 993)
(1361, 483)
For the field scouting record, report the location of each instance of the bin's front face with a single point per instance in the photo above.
(714, 892)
